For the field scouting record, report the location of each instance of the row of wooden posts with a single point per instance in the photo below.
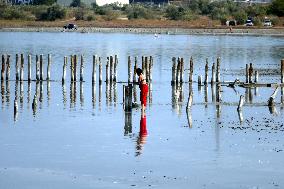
(110, 73)
(178, 72)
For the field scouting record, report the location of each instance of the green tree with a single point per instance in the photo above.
(277, 8)
(54, 12)
(174, 13)
(240, 16)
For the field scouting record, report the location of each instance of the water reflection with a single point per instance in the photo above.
(128, 123)
(21, 94)
(142, 137)
(29, 95)
(82, 94)
(2, 93)
(73, 94)
(206, 95)
(8, 92)
(64, 98)
(48, 92)
(94, 95)
(177, 97)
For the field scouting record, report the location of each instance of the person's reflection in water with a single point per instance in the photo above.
(141, 139)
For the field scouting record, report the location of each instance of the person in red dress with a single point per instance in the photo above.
(143, 89)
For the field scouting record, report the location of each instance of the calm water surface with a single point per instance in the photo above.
(78, 136)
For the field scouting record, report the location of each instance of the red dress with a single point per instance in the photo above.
(143, 93)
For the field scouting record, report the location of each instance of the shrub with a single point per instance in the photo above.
(240, 17)
(111, 15)
(174, 13)
(277, 8)
(53, 13)
(138, 12)
(91, 18)
(189, 15)
(80, 14)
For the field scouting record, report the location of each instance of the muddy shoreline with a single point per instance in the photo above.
(173, 31)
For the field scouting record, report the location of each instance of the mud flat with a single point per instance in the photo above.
(180, 31)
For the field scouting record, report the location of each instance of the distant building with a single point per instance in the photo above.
(17, 2)
(104, 2)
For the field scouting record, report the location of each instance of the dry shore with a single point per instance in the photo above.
(180, 31)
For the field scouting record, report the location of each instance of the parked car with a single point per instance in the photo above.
(249, 23)
(267, 23)
(70, 27)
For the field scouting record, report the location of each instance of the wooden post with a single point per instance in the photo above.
(213, 74)
(41, 66)
(8, 67)
(206, 73)
(48, 66)
(75, 67)
(282, 71)
(94, 76)
(178, 70)
(15, 108)
(17, 67)
(272, 97)
(218, 70)
(107, 70)
(37, 68)
(174, 70)
(134, 71)
(82, 68)
(115, 67)
(72, 68)
(256, 76)
(143, 65)
(22, 68)
(199, 80)
(250, 73)
(190, 70)
(3, 67)
(29, 67)
(100, 71)
(151, 69)
(111, 69)
(241, 102)
(181, 70)
(189, 101)
(247, 73)
(146, 69)
(128, 97)
(129, 69)
(64, 69)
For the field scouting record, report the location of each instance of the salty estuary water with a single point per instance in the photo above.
(78, 136)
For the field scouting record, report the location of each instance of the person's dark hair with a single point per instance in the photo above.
(138, 71)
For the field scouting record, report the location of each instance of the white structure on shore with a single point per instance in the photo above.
(104, 2)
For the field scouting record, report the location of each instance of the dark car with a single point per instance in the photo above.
(70, 27)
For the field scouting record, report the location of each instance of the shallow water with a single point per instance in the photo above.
(78, 137)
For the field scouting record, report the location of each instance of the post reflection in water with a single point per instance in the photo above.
(128, 123)
(110, 93)
(48, 92)
(107, 94)
(218, 100)
(40, 94)
(64, 98)
(72, 94)
(82, 94)
(2, 93)
(21, 94)
(206, 96)
(142, 137)
(94, 95)
(8, 92)
(213, 98)
(100, 95)
(114, 93)
(150, 94)
(29, 95)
